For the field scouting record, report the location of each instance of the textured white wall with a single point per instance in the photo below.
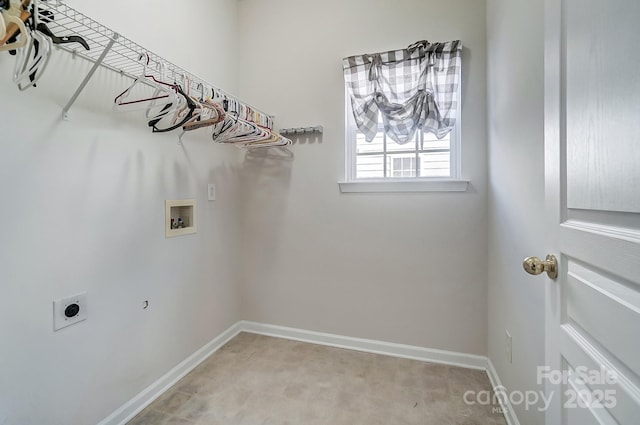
(83, 210)
(516, 191)
(407, 268)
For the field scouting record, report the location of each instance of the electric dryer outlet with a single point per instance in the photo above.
(70, 310)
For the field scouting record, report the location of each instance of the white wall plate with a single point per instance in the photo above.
(70, 310)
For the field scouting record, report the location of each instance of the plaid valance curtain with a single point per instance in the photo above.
(414, 88)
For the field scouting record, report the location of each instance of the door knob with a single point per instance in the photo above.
(534, 265)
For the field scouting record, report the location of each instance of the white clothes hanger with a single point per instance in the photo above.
(3, 26)
(27, 67)
(237, 130)
(24, 36)
(276, 140)
(163, 106)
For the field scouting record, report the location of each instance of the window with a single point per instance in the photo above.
(416, 92)
(424, 158)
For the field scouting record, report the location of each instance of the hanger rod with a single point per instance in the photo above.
(302, 130)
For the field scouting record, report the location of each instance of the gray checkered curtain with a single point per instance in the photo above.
(414, 88)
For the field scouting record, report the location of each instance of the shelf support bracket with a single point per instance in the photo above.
(94, 68)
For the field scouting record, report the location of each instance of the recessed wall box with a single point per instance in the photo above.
(180, 217)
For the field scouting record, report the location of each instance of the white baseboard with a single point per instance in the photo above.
(134, 406)
(470, 361)
(505, 404)
(127, 411)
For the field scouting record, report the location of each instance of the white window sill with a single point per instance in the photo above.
(433, 185)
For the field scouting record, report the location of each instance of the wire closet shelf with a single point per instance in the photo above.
(120, 54)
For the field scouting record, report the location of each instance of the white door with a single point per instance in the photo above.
(592, 160)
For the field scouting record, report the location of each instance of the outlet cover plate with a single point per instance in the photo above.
(211, 192)
(60, 320)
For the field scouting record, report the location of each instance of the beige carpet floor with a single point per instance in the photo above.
(260, 380)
